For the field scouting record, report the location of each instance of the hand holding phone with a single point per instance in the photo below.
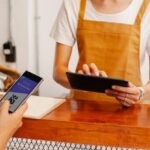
(21, 90)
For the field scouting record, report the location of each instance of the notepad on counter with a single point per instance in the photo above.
(38, 107)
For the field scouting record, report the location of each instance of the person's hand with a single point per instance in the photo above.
(128, 96)
(9, 123)
(92, 70)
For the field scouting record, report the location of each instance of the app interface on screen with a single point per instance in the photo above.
(20, 91)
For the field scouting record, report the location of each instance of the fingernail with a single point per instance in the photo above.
(106, 91)
(84, 65)
(97, 73)
(113, 87)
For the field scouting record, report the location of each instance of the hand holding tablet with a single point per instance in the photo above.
(93, 83)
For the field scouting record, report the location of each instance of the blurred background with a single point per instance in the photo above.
(27, 24)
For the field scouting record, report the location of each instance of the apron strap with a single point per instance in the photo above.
(82, 9)
(141, 12)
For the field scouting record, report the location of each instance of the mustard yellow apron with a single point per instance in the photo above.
(113, 47)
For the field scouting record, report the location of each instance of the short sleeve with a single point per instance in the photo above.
(62, 31)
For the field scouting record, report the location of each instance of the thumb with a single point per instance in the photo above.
(21, 110)
(131, 84)
(5, 106)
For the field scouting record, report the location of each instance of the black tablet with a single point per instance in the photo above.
(93, 83)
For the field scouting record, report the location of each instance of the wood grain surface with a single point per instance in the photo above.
(89, 122)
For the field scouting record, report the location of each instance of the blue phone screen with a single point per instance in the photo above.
(19, 91)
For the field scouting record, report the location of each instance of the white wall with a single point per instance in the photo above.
(31, 27)
(22, 32)
(48, 10)
(3, 27)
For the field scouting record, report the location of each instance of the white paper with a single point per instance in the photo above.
(38, 107)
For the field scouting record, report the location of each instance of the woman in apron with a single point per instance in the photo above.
(113, 39)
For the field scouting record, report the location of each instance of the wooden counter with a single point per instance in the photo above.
(98, 123)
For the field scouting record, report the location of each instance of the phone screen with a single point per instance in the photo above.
(21, 90)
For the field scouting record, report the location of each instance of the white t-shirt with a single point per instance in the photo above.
(65, 26)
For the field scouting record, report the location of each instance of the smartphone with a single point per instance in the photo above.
(19, 92)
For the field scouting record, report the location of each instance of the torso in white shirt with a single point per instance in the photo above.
(65, 27)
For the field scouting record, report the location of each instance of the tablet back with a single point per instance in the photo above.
(93, 83)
